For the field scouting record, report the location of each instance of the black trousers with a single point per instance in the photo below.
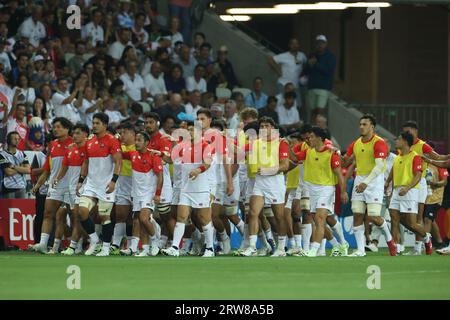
(40, 203)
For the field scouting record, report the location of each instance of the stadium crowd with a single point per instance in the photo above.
(139, 132)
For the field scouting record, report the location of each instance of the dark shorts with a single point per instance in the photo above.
(431, 210)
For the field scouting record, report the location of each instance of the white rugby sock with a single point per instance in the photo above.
(73, 244)
(268, 234)
(241, 226)
(178, 233)
(418, 246)
(106, 246)
(263, 240)
(298, 240)
(223, 235)
(186, 244)
(56, 244)
(314, 247)
(252, 241)
(163, 241)
(340, 232)
(386, 232)
(245, 239)
(119, 232)
(334, 242)
(44, 240)
(323, 244)
(157, 228)
(80, 244)
(291, 242)
(146, 248)
(306, 235)
(359, 236)
(134, 244)
(281, 242)
(209, 235)
(94, 238)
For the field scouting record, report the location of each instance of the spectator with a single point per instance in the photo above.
(99, 80)
(231, 116)
(271, 109)
(289, 65)
(181, 10)
(62, 100)
(256, 99)
(116, 49)
(129, 54)
(32, 28)
(168, 125)
(117, 93)
(4, 57)
(125, 17)
(204, 56)
(133, 83)
(288, 116)
(51, 24)
(175, 82)
(26, 95)
(110, 28)
(21, 67)
(14, 165)
(15, 122)
(93, 31)
(320, 71)
(115, 117)
(288, 87)
(36, 139)
(102, 53)
(40, 74)
(162, 56)
(186, 61)
(159, 100)
(207, 99)
(322, 122)
(226, 67)
(199, 39)
(172, 108)
(40, 110)
(197, 82)
(135, 116)
(154, 81)
(193, 105)
(139, 35)
(238, 97)
(216, 79)
(76, 63)
(217, 111)
(46, 94)
(175, 36)
(87, 105)
(17, 15)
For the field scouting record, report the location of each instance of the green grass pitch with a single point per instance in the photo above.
(25, 275)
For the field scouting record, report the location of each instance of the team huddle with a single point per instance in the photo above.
(144, 193)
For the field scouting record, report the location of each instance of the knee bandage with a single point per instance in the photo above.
(230, 211)
(305, 204)
(86, 202)
(104, 208)
(359, 207)
(163, 208)
(374, 209)
(267, 211)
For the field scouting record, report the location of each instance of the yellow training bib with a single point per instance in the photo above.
(403, 170)
(317, 168)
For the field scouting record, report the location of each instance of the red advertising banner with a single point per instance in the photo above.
(16, 222)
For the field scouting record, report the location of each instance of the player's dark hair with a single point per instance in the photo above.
(306, 128)
(411, 124)
(136, 108)
(126, 126)
(190, 123)
(152, 115)
(217, 123)
(319, 132)
(169, 117)
(64, 122)
(370, 117)
(144, 134)
(290, 95)
(408, 137)
(206, 45)
(431, 144)
(205, 111)
(267, 120)
(111, 129)
(295, 135)
(82, 127)
(103, 117)
(252, 125)
(8, 137)
(201, 34)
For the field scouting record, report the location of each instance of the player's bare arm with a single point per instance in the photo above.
(414, 182)
(344, 195)
(117, 159)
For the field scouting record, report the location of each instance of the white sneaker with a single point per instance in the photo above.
(51, 252)
(154, 250)
(262, 252)
(279, 253)
(127, 252)
(249, 252)
(92, 249)
(103, 253)
(444, 251)
(293, 251)
(321, 254)
(68, 252)
(171, 252)
(311, 254)
(335, 251)
(37, 248)
(78, 250)
(208, 254)
(357, 253)
(412, 253)
(372, 247)
(226, 246)
(142, 254)
(301, 253)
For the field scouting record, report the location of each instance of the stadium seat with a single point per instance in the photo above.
(223, 93)
(245, 92)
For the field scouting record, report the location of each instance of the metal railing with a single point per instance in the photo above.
(433, 120)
